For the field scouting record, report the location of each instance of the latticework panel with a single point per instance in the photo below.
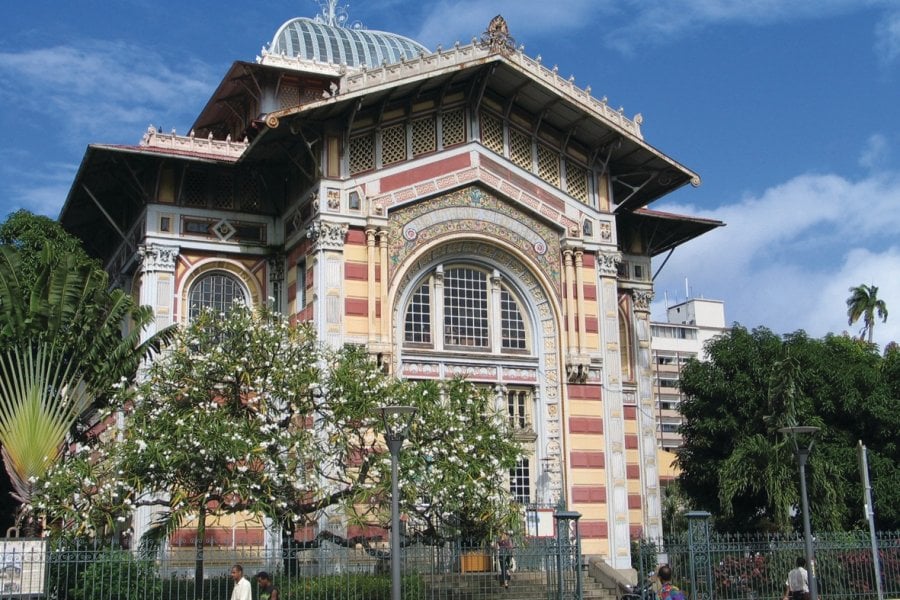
(453, 128)
(193, 191)
(289, 96)
(520, 148)
(393, 144)
(577, 182)
(362, 153)
(223, 194)
(424, 136)
(492, 133)
(248, 193)
(548, 165)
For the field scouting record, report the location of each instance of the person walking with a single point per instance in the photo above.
(797, 585)
(667, 591)
(242, 589)
(267, 591)
(504, 551)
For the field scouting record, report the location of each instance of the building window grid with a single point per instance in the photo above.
(520, 481)
(511, 323)
(418, 317)
(517, 401)
(214, 291)
(466, 308)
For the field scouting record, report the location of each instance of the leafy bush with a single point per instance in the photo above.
(118, 575)
(362, 586)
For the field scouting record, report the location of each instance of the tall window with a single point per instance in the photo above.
(301, 285)
(215, 291)
(418, 316)
(465, 307)
(517, 401)
(520, 481)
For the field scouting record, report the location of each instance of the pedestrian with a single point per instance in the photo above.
(267, 591)
(242, 589)
(505, 549)
(667, 591)
(797, 585)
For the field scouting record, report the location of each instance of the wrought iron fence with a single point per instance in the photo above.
(755, 566)
(328, 571)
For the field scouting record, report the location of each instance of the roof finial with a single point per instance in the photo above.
(335, 15)
(497, 38)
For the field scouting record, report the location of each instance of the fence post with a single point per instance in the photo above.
(568, 553)
(699, 555)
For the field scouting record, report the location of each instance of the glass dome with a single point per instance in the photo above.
(309, 39)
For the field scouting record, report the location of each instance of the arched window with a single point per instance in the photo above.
(216, 291)
(469, 308)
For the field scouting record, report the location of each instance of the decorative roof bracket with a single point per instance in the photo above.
(647, 176)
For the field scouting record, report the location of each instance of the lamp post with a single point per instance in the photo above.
(802, 454)
(397, 420)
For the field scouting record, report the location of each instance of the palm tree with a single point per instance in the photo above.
(62, 349)
(863, 302)
(41, 397)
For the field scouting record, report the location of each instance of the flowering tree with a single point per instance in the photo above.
(246, 412)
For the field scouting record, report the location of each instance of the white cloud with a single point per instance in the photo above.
(887, 36)
(876, 153)
(788, 256)
(102, 88)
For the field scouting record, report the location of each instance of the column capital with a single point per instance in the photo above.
(326, 235)
(156, 257)
(642, 299)
(608, 263)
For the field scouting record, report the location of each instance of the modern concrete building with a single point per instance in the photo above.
(458, 212)
(689, 325)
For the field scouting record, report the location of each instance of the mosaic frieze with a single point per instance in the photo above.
(473, 211)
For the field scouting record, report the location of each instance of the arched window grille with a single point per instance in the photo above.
(215, 291)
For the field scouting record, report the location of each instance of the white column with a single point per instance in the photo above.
(613, 413)
(158, 284)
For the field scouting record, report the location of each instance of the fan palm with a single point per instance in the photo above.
(63, 346)
(41, 397)
(863, 302)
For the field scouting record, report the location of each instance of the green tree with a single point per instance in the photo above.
(29, 234)
(734, 462)
(246, 412)
(864, 303)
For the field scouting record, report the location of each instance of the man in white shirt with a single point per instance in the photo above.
(797, 584)
(242, 590)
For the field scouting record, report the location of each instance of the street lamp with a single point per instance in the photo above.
(397, 420)
(802, 454)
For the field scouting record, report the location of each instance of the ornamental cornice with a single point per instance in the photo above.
(326, 235)
(156, 257)
(226, 148)
(608, 263)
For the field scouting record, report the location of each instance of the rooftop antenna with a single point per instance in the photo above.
(687, 290)
(666, 298)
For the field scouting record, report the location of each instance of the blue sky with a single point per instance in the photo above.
(789, 110)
